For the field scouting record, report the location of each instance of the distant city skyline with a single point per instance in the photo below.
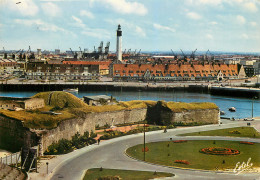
(154, 25)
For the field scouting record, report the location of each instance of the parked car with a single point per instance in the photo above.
(249, 119)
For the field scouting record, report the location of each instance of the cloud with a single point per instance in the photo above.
(125, 7)
(253, 23)
(140, 31)
(193, 15)
(204, 2)
(244, 36)
(26, 7)
(97, 33)
(78, 22)
(128, 25)
(41, 25)
(87, 14)
(209, 36)
(51, 9)
(93, 32)
(160, 27)
(250, 6)
(240, 19)
(213, 23)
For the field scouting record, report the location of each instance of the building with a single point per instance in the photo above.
(98, 100)
(14, 103)
(176, 72)
(103, 65)
(44, 71)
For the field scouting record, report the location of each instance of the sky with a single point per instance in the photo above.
(150, 25)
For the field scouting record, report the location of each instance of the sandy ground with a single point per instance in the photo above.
(3, 153)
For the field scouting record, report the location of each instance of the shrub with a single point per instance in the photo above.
(235, 132)
(64, 146)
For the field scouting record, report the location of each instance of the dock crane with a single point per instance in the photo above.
(184, 56)
(75, 55)
(192, 56)
(139, 52)
(128, 52)
(135, 52)
(124, 51)
(175, 55)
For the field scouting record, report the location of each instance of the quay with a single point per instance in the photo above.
(203, 87)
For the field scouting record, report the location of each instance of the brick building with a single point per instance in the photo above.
(174, 72)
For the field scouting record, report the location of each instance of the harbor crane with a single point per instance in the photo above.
(75, 55)
(124, 51)
(184, 56)
(128, 52)
(175, 55)
(192, 56)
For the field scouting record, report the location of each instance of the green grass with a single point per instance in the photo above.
(95, 173)
(244, 132)
(182, 106)
(160, 153)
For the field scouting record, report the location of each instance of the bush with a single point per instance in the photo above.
(64, 146)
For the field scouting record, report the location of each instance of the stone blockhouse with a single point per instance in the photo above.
(98, 100)
(13, 103)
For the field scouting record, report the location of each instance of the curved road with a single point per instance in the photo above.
(110, 154)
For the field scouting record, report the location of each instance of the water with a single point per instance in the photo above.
(242, 105)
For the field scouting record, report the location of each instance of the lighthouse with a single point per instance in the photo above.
(119, 43)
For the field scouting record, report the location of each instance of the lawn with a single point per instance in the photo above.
(165, 153)
(93, 174)
(237, 132)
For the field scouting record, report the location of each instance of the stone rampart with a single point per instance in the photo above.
(14, 135)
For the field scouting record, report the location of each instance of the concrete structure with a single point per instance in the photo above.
(98, 100)
(12, 103)
(119, 43)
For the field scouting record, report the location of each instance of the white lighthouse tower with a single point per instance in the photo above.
(119, 43)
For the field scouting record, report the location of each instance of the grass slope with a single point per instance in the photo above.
(182, 106)
(95, 173)
(244, 132)
(160, 153)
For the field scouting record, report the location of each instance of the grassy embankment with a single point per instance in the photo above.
(164, 154)
(70, 107)
(234, 132)
(96, 173)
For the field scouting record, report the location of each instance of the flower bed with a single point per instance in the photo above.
(179, 141)
(245, 142)
(146, 149)
(235, 132)
(182, 162)
(219, 151)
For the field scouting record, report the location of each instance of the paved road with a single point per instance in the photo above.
(110, 154)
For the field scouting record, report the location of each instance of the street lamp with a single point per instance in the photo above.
(144, 140)
(47, 166)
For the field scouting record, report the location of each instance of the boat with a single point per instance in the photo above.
(71, 90)
(222, 113)
(232, 109)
